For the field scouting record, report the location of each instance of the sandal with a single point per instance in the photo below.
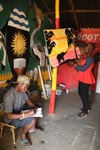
(25, 142)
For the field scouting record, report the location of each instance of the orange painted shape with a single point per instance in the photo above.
(57, 23)
(52, 102)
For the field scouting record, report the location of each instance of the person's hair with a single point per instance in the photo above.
(90, 48)
(82, 44)
(92, 44)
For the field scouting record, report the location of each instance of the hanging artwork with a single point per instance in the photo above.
(61, 45)
(38, 49)
(18, 43)
(5, 71)
(4, 12)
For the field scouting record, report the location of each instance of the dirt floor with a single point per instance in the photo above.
(63, 130)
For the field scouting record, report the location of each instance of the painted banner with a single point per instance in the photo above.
(5, 71)
(90, 35)
(4, 12)
(61, 45)
(18, 42)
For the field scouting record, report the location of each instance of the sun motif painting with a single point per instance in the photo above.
(18, 44)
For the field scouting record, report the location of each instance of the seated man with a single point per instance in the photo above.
(13, 104)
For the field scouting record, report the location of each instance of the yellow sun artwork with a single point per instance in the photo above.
(18, 44)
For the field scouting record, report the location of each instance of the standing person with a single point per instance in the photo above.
(85, 77)
(13, 102)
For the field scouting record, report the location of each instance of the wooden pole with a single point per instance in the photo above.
(54, 73)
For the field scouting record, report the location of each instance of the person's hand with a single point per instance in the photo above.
(78, 61)
(35, 109)
(31, 112)
(71, 63)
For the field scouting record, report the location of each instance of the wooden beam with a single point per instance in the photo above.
(80, 11)
(48, 9)
(74, 14)
(71, 11)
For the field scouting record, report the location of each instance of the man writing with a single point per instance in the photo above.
(13, 102)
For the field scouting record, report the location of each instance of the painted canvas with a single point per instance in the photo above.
(5, 71)
(18, 43)
(61, 45)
